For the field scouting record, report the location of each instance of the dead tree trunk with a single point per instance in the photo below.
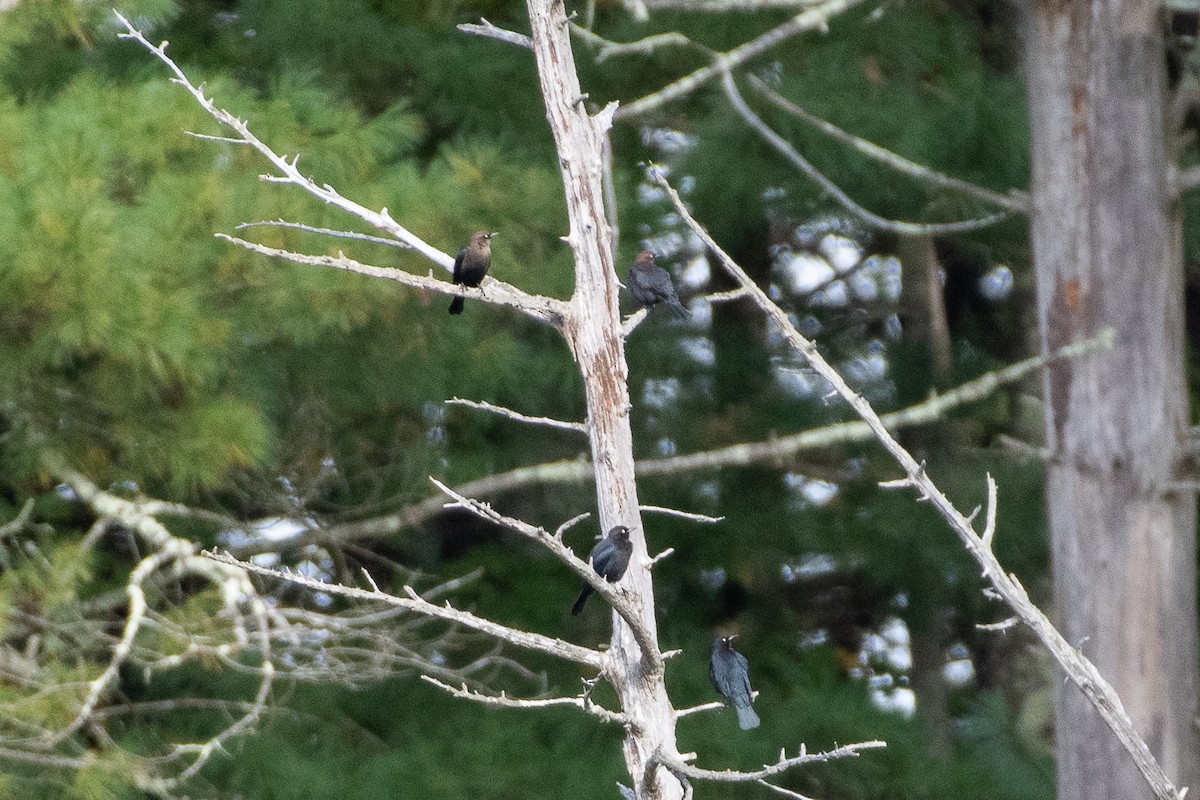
(1105, 242)
(593, 330)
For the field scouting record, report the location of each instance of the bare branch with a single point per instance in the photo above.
(664, 554)
(632, 321)
(725, 297)
(503, 701)
(415, 603)
(44, 759)
(1078, 668)
(543, 309)
(783, 764)
(687, 712)
(832, 189)
(1022, 449)
(490, 31)
(784, 792)
(1003, 625)
(362, 237)
(577, 427)
(673, 512)
(814, 18)
(989, 529)
(606, 49)
(1015, 201)
(209, 138)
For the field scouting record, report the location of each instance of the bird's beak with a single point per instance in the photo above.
(495, 233)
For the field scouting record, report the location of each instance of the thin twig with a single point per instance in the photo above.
(687, 712)
(783, 791)
(299, 226)
(782, 765)
(606, 49)
(503, 701)
(674, 512)
(415, 603)
(489, 31)
(1003, 625)
(577, 427)
(725, 297)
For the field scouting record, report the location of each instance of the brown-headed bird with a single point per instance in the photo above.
(471, 265)
(651, 285)
(730, 675)
(610, 559)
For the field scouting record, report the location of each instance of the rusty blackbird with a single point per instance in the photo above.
(610, 559)
(471, 265)
(730, 675)
(651, 285)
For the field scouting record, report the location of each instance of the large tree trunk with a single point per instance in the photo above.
(1105, 242)
(593, 330)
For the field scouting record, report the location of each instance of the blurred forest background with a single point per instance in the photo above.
(162, 362)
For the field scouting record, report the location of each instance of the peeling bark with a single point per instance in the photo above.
(593, 330)
(1103, 237)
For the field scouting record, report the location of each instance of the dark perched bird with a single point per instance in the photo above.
(471, 265)
(650, 285)
(610, 559)
(730, 676)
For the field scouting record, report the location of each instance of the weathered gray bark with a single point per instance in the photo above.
(1105, 246)
(593, 330)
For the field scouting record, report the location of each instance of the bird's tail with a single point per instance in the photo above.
(583, 596)
(678, 309)
(747, 719)
(456, 305)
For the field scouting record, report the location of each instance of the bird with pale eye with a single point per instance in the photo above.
(730, 675)
(471, 265)
(610, 559)
(651, 285)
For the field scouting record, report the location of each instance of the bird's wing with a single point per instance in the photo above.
(457, 277)
(600, 553)
(661, 283)
(744, 673)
